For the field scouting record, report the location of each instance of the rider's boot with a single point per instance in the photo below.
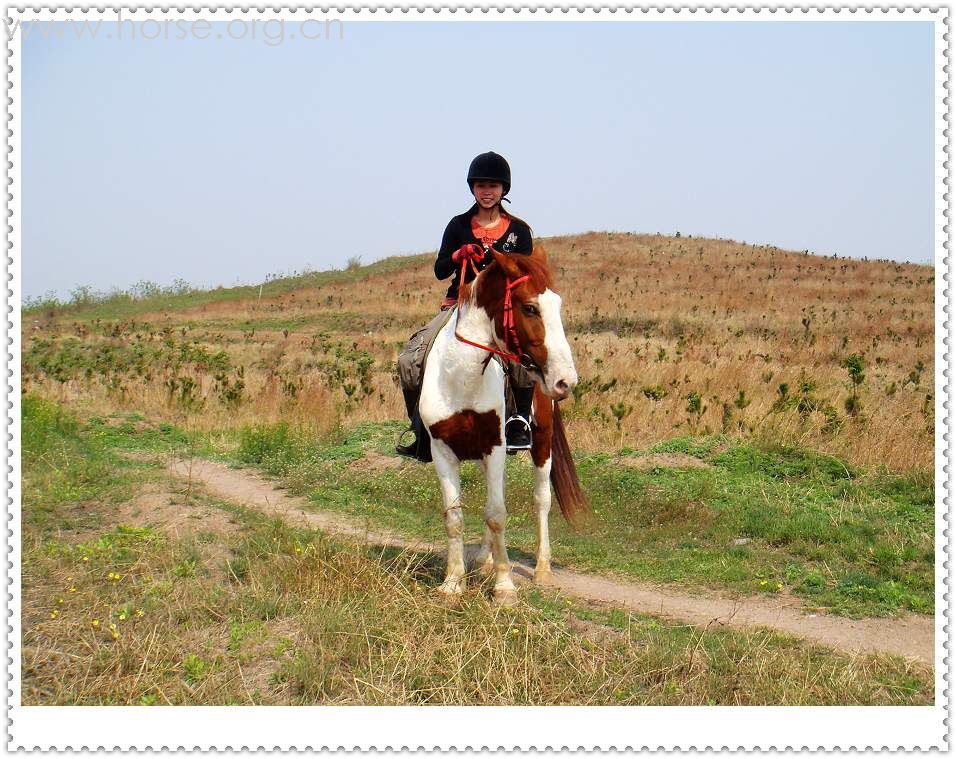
(412, 447)
(518, 427)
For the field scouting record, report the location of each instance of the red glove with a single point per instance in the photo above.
(470, 251)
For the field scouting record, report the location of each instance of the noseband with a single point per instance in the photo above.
(507, 322)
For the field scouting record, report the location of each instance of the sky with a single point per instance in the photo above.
(225, 161)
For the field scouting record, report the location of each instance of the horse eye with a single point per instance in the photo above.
(530, 310)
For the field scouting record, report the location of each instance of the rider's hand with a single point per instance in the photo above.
(470, 251)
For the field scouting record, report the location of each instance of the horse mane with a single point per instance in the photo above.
(537, 266)
(534, 264)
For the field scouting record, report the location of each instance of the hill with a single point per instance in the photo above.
(672, 336)
(753, 427)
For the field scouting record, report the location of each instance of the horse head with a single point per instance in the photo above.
(536, 310)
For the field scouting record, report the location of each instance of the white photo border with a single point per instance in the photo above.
(467, 728)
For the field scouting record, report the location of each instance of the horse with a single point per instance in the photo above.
(509, 309)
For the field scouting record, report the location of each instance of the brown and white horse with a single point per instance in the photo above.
(511, 309)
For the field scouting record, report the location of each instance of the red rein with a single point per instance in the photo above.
(507, 320)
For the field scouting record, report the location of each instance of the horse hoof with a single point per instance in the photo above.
(506, 596)
(450, 592)
(543, 577)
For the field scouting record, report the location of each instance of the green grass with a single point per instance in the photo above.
(270, 613)
(123, 305)
(64, 463)
(131, 431)
(756, 521)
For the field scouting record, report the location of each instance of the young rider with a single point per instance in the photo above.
(473, 233)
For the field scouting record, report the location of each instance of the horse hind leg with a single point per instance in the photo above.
(483, 561)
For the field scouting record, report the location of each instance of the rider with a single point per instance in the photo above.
(481, 227)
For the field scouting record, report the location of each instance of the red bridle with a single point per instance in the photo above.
(507, 319)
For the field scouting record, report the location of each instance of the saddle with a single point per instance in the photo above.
(415, 360)
(413, 386)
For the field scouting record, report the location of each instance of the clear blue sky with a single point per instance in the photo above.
(221, 161)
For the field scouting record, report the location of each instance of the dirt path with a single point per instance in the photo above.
(908, 636)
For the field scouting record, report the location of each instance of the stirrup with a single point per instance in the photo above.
(409, 449)
(511, 448)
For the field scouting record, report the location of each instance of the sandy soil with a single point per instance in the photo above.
(910, 636)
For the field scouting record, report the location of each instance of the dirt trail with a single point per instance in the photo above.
(908, 636)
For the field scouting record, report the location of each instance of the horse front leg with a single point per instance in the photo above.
(495, 517)
(542, 503)
(449, 475)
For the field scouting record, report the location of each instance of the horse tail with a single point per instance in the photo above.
(564, 477)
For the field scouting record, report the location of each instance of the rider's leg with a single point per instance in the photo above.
(518, 428)
(410, 363)
(411, 447)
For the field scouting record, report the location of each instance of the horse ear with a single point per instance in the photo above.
(507, 264)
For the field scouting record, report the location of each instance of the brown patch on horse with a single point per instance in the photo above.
(470, 434)
(541, 430)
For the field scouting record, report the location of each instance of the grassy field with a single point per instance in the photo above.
(748, 420)
(702, 513)
(142, 590)
(672, 336)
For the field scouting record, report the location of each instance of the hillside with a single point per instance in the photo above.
(672, 336)
(212, 514)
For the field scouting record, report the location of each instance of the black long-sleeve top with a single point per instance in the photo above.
(516, 239)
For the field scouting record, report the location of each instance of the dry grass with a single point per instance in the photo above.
(711, 317)
(286, 617)
(142, 590)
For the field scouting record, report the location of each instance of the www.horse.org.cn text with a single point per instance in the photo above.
(272, 32)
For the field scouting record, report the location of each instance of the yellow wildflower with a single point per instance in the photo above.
(122, 616)
(95, 623)
(139, 612)
(54, 614)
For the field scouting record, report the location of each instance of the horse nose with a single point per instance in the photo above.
(561, 389)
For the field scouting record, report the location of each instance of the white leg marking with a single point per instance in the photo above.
(495, 518)
(542, 502)
(449, 474)
(483, 560)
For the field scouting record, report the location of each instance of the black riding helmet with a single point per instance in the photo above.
(490, 167)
